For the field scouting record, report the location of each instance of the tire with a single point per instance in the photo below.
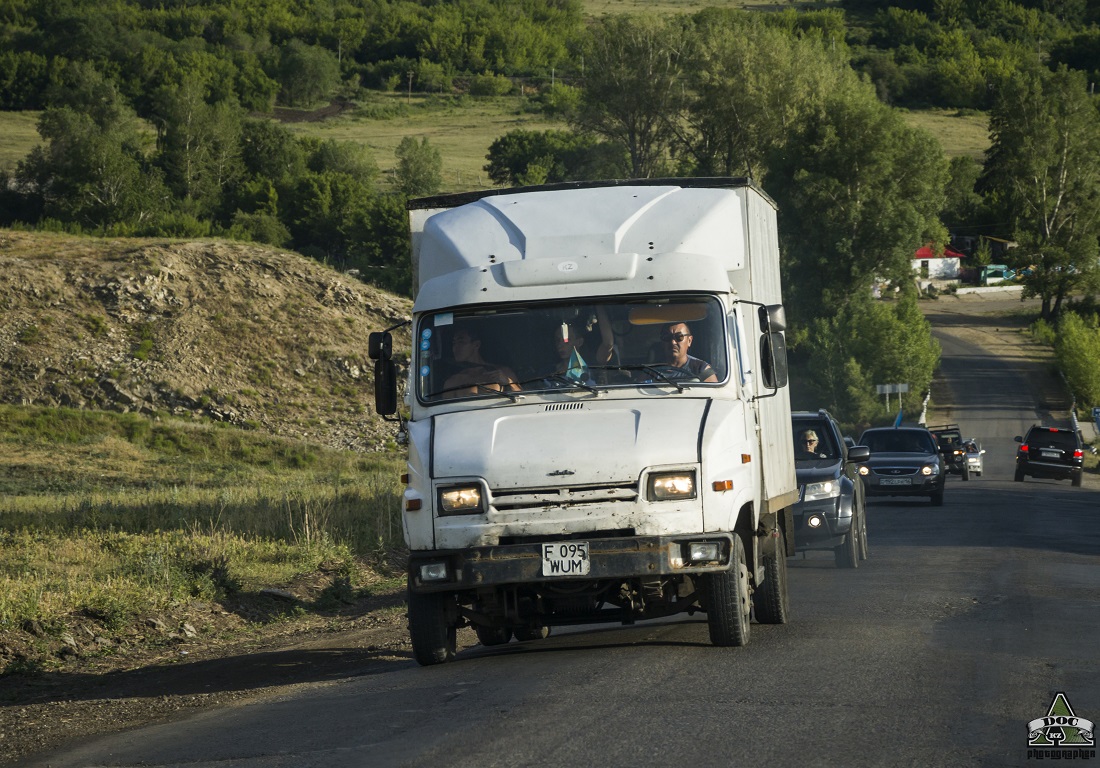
(965, 472)
(771, 600)
(728, 602)
(1076, 481)
(1019, 475)
(937, 498)
(863, 549)
(847, 553)
(526, 634)
(493, 635)
(434, 638)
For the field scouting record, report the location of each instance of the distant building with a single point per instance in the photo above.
(928, 265)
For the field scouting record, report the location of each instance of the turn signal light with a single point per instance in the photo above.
(722, 485)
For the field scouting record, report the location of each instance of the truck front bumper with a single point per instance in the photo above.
(630, 557)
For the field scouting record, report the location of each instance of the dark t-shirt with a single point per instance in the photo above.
(701, 369)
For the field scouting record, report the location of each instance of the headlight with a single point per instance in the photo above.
(670, 486)
(464, 500)
(864, 471)
(929, 469)
(829, 489)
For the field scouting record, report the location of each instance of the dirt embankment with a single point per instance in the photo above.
(234, 332)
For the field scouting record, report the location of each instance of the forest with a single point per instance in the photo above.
(158, 120)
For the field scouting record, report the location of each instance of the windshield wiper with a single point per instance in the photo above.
(657, 372)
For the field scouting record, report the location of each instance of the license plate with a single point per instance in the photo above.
(1051, 454)
(895, 481)
(565, 558)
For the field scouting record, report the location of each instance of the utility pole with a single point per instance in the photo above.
(410, 98)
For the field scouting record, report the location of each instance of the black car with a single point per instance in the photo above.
(831, 513)
(1050, 452)
(952, 448)
(905, 461)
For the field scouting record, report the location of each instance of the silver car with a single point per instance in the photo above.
(974, 453)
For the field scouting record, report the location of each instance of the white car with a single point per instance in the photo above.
(974, 452)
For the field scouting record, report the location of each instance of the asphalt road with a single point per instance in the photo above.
(960, 629)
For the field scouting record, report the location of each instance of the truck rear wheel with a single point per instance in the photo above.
(434, 637)
(771, 601)
(728, 602)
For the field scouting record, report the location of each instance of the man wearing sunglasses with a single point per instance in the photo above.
(676, 341)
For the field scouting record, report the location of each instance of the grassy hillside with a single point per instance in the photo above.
(183, 425)
(464, 128)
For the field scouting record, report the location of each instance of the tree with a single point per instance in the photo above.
(92, 168)
(749, 85)
(199, 146)
(861, 192)
(308, 74)
(1077, 345)
(864, 343)
(419, 167)
(557, 156)
(633, 87)
(1043, 173)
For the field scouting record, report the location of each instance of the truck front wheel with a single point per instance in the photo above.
(728, 602)
(434, 637)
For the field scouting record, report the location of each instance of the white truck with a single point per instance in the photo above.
(597, 419)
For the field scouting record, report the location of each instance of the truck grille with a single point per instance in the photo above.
(536, 498)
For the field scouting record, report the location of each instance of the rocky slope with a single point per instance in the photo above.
(234, 332)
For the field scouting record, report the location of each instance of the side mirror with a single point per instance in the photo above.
(385, 387)
(380, 345)
(859, 453)
(772, 318)
(773, 359)
(1018, 438)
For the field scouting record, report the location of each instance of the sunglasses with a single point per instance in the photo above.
(673, 336)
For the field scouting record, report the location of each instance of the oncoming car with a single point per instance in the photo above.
(974, 453)
(831, 513)
(904, 461)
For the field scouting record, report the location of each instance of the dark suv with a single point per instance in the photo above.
(831, 513)
(949, 438)
(1050, 452)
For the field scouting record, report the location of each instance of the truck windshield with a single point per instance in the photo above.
(676, 341)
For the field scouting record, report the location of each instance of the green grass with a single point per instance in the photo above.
(958, 133)
(461, 128)
(18, 136)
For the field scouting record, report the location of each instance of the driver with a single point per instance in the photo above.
(676, 341)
